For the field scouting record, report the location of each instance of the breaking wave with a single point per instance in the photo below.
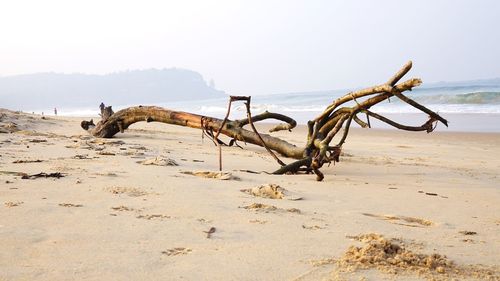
(469, 98)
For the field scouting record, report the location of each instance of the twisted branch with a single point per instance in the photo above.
(323, 129)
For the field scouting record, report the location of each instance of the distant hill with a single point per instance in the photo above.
(48, 90)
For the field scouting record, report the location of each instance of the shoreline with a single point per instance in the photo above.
(458, 122)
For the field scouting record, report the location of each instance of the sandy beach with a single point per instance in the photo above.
(139, 207)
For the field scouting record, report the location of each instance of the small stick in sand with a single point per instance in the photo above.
(210, 231)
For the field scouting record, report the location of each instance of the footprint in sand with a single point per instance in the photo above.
(272, 191)
(159, 161)
(408, 221)
(269, 208)
(122, 208)
(257, 221)
(130, 191)
(177, 251)
(312, 227)
(106, 174)
(13, 204)
(82, 157)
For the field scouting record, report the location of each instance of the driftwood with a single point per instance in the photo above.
(318, 149)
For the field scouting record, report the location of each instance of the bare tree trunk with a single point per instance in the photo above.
(321, 131)
(122, 119)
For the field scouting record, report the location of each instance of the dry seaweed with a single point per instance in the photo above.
(27, 161)
(467, 232)
(43, 175)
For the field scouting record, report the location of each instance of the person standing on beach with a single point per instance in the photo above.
(55, 111)
(102, 106)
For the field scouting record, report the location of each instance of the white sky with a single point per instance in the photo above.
(256, 47)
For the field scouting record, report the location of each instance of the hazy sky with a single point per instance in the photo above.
(256, 47)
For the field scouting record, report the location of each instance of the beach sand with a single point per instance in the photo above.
(134, 207)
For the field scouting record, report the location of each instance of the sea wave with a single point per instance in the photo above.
(384, 107)
(468, 98)
(313, 103)
(259, 108)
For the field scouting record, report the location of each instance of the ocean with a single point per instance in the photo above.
(469, 108)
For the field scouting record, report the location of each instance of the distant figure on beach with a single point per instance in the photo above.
(55, 111)
(102, 106)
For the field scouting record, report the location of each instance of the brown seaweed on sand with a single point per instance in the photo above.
(27, 161)
(44, 175)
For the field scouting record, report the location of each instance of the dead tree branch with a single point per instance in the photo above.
(318, 150)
